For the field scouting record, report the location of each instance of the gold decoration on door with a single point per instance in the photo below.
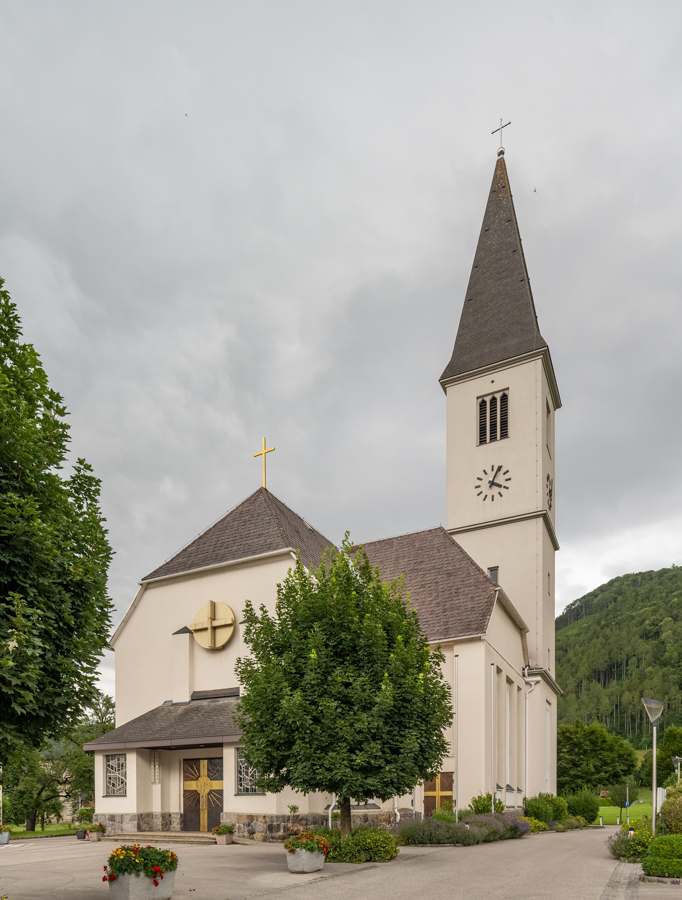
(202, 794)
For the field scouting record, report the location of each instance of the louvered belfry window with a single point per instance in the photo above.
(493, 418)
(504, 416)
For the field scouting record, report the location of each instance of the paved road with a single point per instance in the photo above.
(571, 866)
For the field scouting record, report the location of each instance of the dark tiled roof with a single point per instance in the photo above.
(261, 524)
(169, 724)
(453, 596)
(498, 318)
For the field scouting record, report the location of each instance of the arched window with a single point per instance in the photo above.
(504, 416)
(482, 422)
(493, 419)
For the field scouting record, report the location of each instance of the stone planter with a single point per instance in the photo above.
(4, 837)
(139, 887)
(305, 861)
(95, 835)
(223, 838)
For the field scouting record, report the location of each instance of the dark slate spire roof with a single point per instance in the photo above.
(498, 318)
(261, 524)
(453, 596)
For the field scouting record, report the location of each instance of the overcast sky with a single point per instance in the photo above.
(225, 220)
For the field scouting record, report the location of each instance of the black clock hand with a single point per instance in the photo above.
(492, 482)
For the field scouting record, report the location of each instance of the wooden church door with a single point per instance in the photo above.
(202, 797)
(438, 790)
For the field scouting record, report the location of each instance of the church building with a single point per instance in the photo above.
(483, 588)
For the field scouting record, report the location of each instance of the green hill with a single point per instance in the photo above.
(617, 644)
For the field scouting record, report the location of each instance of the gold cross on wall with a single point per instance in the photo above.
(262, 453)
(210, 623)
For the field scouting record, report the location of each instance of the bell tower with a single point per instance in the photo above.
(502, 397)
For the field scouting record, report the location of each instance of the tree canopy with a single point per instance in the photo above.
(588, 756)
(342, 693)
(54, 555)
(617, 644)
(669, 744)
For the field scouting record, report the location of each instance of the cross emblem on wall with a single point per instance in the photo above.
(213, 625)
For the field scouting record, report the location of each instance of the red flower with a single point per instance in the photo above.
(156, 883)
(156, 869)
(112, 877)
(105, 878)
(105, 868)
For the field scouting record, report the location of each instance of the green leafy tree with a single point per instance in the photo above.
(621, 793)
(669, 745)
(341, 691)
(36, 783)
(588, 756)
(54, 555)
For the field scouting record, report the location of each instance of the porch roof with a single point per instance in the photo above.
(197, 723)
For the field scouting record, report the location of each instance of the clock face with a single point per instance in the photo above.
(494, 482)
(549, 489)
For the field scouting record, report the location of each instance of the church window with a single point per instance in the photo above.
(246, 776)
(504, 416)
(493, 418)
(482, 422)
(115, 775)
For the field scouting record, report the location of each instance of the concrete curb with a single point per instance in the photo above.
(654, 879)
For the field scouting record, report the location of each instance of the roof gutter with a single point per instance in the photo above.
(169, 744)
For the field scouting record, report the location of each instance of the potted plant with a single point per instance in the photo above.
(223, 833)
(5, 831)
(96, 831)
(306, 852)
(141, 873)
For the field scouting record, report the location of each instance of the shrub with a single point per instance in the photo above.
(482, 805)
(672, 793)
(444, 814)
(85, 815)
(535, 824)
(618, 845)
(664, 857)
(583, 803)
(558, 827)
(581, 822)
(569, 824)
(494, 829)
(671, 810)
(546, 807)
(433, 831)
(367, 845)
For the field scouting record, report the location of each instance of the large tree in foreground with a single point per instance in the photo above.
(342, 693)
(589, 756)
(54, 555)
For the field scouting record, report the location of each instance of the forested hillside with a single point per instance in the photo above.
(617, 644)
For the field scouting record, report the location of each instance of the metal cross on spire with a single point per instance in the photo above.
(262, 453)
(500, 152)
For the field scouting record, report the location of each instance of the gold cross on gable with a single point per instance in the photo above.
(500, 130)
(262, 453)
(210, 623)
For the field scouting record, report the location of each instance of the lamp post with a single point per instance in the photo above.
(653, 708)
(676, 762)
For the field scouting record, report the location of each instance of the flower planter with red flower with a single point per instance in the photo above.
(223, 833)
(5, 831)
(96, 831)
(306, 852)
(141, 873)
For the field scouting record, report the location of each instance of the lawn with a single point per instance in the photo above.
(637, 811)
(52, 829)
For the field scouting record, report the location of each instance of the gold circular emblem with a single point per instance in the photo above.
(213, 625)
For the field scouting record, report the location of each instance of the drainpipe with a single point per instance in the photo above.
(532, 682)
(492, 734)
(456, 737)
(331, 807)
(395, 810)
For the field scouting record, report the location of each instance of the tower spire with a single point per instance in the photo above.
(498, 320)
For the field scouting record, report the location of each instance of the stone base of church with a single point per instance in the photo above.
(132, 823)
(276, 827)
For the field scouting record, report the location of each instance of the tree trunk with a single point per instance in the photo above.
(346, 829)
(31, 822)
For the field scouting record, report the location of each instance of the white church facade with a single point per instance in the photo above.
(483, 588)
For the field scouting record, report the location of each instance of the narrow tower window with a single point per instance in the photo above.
(504, 416)
(493, 418)
(482, 422)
